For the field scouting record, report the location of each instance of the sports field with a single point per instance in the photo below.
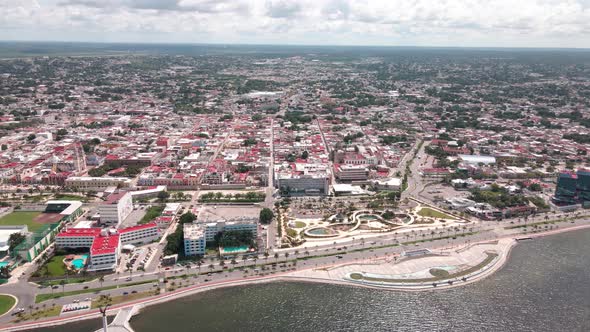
(33, 220)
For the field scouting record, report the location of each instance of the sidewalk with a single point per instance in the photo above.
(452, 260)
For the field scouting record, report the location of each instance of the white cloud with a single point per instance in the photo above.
(388, 22)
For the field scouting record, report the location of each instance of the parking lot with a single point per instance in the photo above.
(134, 217)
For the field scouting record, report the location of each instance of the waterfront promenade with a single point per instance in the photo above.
(336, 272)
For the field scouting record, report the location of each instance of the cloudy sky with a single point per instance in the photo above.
(527, 23)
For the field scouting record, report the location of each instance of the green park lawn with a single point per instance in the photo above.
(6, 303)
(22, 218)
(428, 212)
(151, 214)
(70, 197)
(300, 224)
(55, 267)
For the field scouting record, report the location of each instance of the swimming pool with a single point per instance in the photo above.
(79, 263)
(230, 250)
(3, 264)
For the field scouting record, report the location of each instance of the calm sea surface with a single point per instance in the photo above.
(545, 286)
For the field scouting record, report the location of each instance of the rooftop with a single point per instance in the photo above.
(105, 245)
(138, 227)
(115, 197)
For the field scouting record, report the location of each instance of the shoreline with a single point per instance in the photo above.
(285, 277)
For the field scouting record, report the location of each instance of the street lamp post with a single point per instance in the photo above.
(103, 311)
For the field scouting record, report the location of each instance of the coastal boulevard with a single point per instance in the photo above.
(316, 259)
(539, 289)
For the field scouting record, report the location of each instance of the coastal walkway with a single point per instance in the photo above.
(121, 321)
(407, 273)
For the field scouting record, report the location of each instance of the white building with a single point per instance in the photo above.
(352, 173)
(459, 203)
(306, 178)
(477, 159)
(194, 240)
(393, 184)
(85, 183)
(140, 234)
(308, 184)
(212, 228)
(116, 208)
(6, 232)
(171, 209)
(197, 235)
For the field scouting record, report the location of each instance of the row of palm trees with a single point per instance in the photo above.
(234, 261)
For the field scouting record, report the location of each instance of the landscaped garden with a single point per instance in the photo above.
(300, 224)
(54, 267)
(428, 212)
(219, 197)
(42, 312)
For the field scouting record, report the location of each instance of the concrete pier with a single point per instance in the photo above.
(121, 321)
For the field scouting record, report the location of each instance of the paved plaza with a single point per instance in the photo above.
(400, 267)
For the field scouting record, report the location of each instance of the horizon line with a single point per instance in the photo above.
(295, 45)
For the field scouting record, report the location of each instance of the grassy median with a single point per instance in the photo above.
(56, 295)
(6, 303)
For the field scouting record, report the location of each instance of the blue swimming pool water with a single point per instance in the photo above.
(78, 263)
(3, 264)
(319, 231)
(235, 249)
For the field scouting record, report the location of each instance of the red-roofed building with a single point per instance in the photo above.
(105, 244)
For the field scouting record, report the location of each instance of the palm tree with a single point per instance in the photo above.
(276, 256)
(101, 280)
(211, 266)
(199, 263)
(129, 267)
(286, 255)
(266, 254)
(63, 285)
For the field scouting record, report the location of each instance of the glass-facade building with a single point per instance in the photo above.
(573, 187)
